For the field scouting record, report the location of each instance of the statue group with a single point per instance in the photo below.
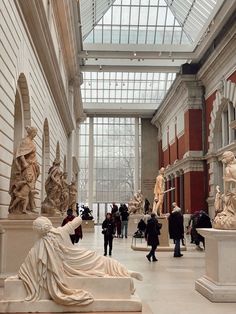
(136, 204)
(60, 194)
(225, 204)
(25, 170)
(24, 174)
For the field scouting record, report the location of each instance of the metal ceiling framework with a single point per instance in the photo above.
(141, 36)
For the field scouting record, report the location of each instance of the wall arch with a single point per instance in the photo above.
(228, 94)
(22, 114)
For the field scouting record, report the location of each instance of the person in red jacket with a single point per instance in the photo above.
(78, 231)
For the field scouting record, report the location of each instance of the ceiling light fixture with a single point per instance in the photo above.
(135, 54)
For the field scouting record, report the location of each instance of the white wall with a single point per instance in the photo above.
(18, 56)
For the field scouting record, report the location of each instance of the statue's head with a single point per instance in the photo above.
(31, 131)
(162, 170)
(42, 225)
(227, 157)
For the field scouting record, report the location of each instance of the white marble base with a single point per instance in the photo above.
(219, 282)
(133, 223)
(115, 295)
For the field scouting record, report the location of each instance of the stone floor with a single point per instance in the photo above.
(168, 285)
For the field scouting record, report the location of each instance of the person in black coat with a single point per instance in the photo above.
(151, 235)
(108, 229)
(176, 230)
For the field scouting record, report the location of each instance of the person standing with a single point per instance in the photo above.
(108, 230)
(176, 230)
(151, 235)
(124, 214)
(78, 231)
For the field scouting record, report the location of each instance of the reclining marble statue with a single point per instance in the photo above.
(226, 219)
(53, 259)
(24, 174)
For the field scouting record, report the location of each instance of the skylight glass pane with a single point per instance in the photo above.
(125, 87)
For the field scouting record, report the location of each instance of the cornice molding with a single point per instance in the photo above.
(185, 93)
(185, 165)
(34, 19)
(222, 58)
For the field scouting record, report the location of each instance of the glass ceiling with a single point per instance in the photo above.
(125, 87)
(138, 22)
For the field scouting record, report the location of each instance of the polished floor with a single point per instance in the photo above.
(168, 285)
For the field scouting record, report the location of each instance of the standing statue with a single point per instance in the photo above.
(226, 219)
(64, 193)
(53, 188)
(218, 201)
(72, 196)
(159, 191)
(24, 174)
(54, 260)
(136, 204)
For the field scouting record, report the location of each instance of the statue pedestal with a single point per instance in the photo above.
(219, 282)
(115, 295)
(164, 236)
(16, 239)
(133, 223)
(88, 225)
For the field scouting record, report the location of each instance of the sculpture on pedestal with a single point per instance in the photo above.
(72, 196)
(218, 201)
(53, 188)
(159, 191)
(53, 259)
(24, 174)
(226, 219)
(64, 193)
(136, 204)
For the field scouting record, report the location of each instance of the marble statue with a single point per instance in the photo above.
(53, 259)
(159, 191)
(64, 193)
(72, 196)
(136, 204)
(53, 188)
(226, 219)
(218, 200)
(24, 174)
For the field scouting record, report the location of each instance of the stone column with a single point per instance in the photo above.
(91, 157)
(136, 158)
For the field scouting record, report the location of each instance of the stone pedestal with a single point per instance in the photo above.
(219, 282)
(164, 237)
(88, 225)
(133, 223)
(16, 239)
(115, 295)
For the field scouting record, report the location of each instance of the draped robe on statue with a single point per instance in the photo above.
(53, 259)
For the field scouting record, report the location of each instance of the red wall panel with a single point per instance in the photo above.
(166, 157)
(232, 77)
(194, 194)
(181, 147)
(173, 152)
(193, 129)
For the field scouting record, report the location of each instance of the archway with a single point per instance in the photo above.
(22, 116)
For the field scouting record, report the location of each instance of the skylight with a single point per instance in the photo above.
(125, 87)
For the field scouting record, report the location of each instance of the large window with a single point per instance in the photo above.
(109, 156)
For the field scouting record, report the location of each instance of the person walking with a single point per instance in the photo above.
(124, 215)
(151, 235)
(176, 230)
(108, 230)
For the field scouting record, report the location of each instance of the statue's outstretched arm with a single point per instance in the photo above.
(72, 225)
